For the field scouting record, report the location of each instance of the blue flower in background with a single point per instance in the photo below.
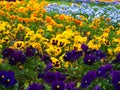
(85, 9)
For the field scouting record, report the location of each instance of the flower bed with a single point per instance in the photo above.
(85, 9)
(46, 51)
(100, 1)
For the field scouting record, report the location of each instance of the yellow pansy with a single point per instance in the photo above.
(111, 27)
(107, 30)
(19, 45)
(49, 28)
(29, 34)
(53, 51)
(54, 41)
(117, 50)
(62, 42)
(67, 34)
(56, 16)
(68, 48)
(77, 47)
(91, 44)
(107, 43)
(2, 29)
(60, 25)
(1, 60)
(20, 27)
(115, 40)
(88, 33)
(118, 32)
(55, 62)
(74, 27)
(67, 64)
(40, 31)
(110, 51)
(79, 39)
(5, 40)
(37, 46)
(3, 23)
(1, 46)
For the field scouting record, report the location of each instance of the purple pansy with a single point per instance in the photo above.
(58, 85)
(88, 78)
(116, 79)
(102, 71)
(36, 86)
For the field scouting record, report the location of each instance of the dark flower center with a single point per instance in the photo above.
(61, 44)
(54, 42)
(19, 44)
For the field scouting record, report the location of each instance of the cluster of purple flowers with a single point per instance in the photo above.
(7, 78)
(90, 56)
(103, 72)
(57, 81)
(72, 55)
(117, 59)
(17, 56)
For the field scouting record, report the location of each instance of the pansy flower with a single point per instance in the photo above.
(102, 71)
(89, 59)
(116, 79)
(84, 47)
(7, 52)
(7, 78)
(56, 63)
(19, 45)
(58, 85)
(46, 58)
(16, 57)
(72, 55)
(117, 59)
(71, 86)
(30, 51)
(88, 78)
(49, 77)
(99, 54)
(36, 86)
